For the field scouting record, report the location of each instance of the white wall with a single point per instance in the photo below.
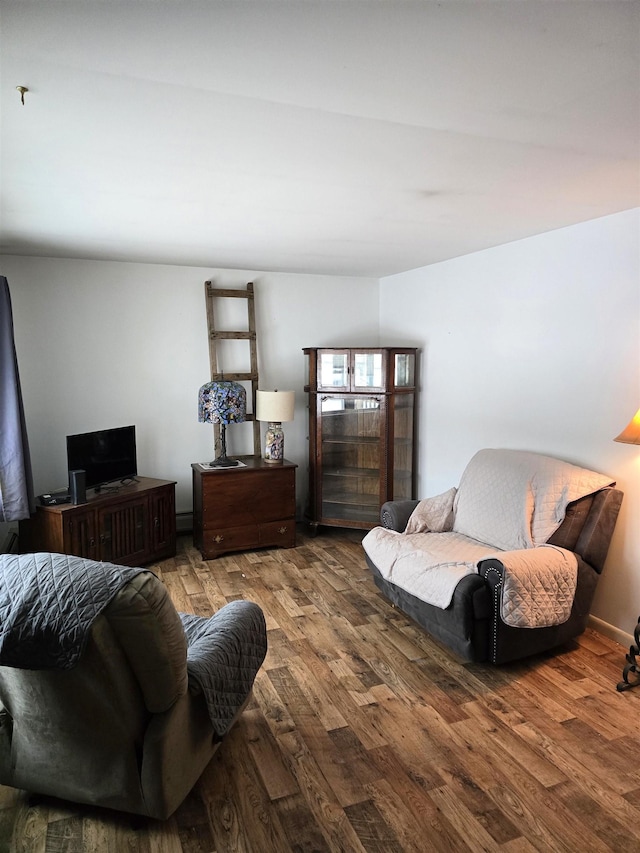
(103, 344)
(534, 345)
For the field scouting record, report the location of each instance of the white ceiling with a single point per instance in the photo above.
(338, 137)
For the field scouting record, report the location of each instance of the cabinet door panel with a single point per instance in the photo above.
(123, 532)
(80, 535)
(163, 528)
(351, 432)
(404, 369)
(368, 370)
(402, 446)
(333, 369)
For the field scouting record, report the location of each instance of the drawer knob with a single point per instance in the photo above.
(218, 538)
(282, 530)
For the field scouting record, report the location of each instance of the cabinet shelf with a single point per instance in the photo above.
(349, 512)
(351, 473)
(362, 439)
(350, 439)
(366, 411)
(350, 499)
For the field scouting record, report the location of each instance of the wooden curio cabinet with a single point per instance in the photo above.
(362, 405)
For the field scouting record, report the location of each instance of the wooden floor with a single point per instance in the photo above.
(365, 735)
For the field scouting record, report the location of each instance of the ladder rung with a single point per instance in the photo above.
(237, 294)
(234, 377)
(234, 336)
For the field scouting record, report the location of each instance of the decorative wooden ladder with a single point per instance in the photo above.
(216, 335)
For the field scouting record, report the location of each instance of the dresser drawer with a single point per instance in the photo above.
(218, 541)
(279, 533)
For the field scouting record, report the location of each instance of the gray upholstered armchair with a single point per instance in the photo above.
(109, 696)
(507, 564)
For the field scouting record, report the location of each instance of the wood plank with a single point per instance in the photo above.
(275, 776)
(417, 822)
(365, 734)
(237, 803)
(462, 819)
(300, 826)
(344, 786)
(374, 832)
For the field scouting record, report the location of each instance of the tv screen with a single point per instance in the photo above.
(105, 455)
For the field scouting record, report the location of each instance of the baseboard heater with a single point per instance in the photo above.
(10, 544)
(184, 522)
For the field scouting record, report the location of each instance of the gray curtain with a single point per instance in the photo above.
(16, 484)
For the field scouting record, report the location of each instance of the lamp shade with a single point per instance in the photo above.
(631, 433)
(275, 406)
(222, 402)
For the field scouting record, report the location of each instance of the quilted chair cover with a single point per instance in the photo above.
(556, 504)
(115, 701)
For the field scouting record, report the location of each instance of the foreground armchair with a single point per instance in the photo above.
(109, 696)
(505, 565)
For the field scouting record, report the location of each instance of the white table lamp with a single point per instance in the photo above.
(274, 407)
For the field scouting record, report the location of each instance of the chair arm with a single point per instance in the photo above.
(509, 643)
(394, 515)
(492, 569)
(224, 655)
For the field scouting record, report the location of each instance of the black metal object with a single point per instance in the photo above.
(632, 666)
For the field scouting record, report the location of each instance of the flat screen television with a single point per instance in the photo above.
(105, 455)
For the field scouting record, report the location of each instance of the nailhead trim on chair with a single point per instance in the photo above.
(496, 603)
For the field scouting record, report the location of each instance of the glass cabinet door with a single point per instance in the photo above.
(351, 442)
(403, 420)
(351, 370)
(333, 369)
(368, 370)
(404, 369)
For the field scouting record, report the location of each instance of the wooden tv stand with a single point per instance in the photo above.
(132, 526)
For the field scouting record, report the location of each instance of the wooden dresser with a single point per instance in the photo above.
(237, 509)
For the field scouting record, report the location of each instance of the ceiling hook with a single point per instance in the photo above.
(22, 90)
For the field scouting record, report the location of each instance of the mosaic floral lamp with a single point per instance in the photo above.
(222, 402)
(274, 407)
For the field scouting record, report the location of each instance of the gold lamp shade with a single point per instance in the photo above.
(631, 433)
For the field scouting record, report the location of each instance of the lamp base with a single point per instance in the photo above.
(224, 463)
(274, 444)
(223, 460)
